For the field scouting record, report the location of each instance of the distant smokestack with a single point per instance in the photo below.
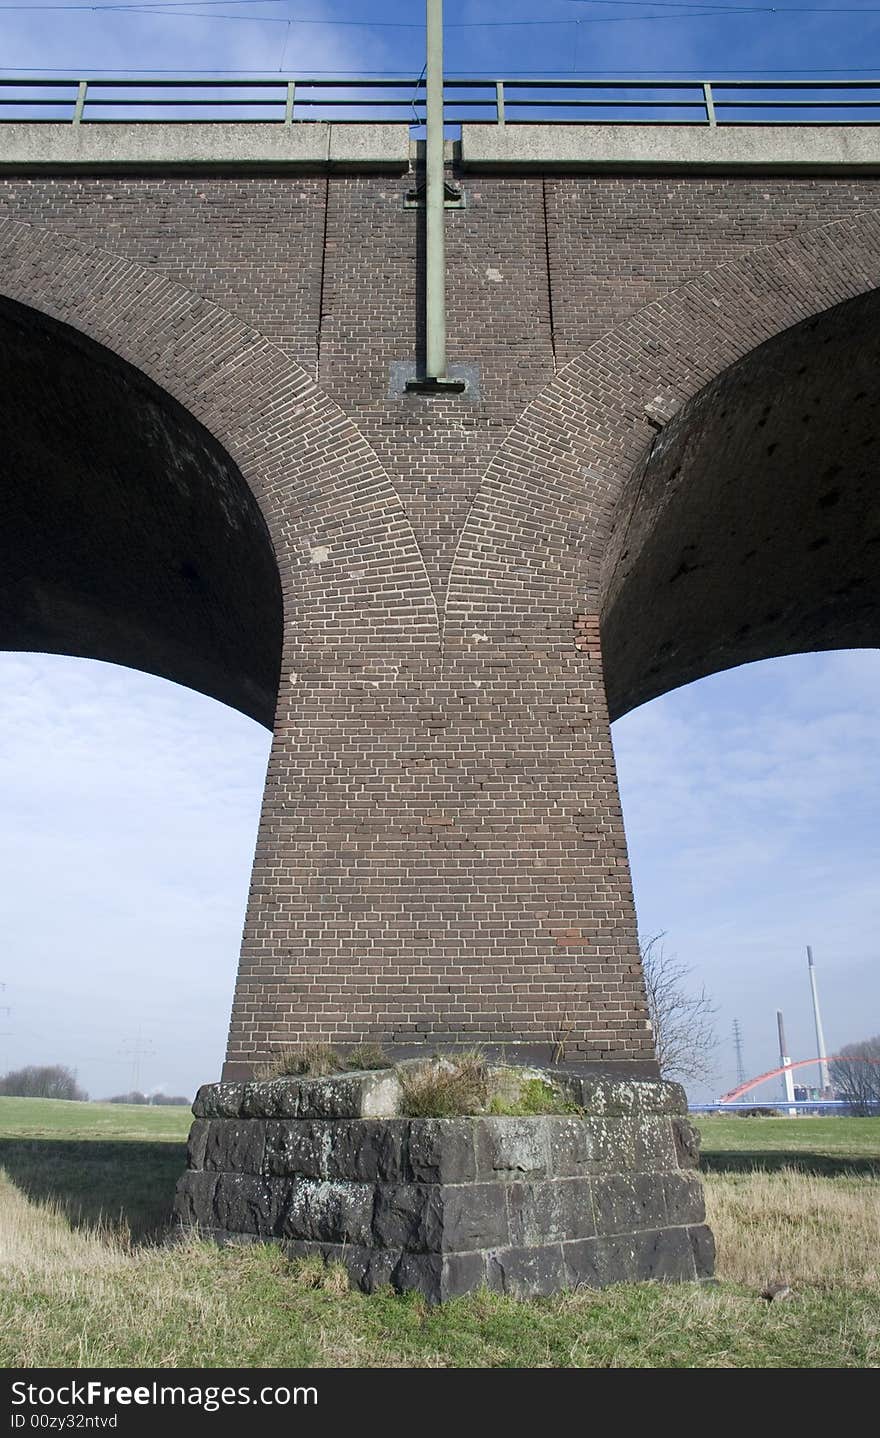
(787, 1078)
(817, 1017)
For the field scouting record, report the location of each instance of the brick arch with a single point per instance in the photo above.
(530, 553)
(750, 528)
(352, 572)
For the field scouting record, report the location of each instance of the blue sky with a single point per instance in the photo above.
(585, 36)
(129, 806)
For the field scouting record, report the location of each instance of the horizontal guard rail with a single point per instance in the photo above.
(284, 100)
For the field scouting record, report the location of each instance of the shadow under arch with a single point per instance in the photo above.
(751, 528)
(128, 533)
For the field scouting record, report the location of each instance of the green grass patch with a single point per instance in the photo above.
(822, 1146)
(59, 1119)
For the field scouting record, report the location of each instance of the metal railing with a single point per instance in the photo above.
(782, 1105)
(504, 102)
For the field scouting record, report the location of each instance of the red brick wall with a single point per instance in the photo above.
(441, 855)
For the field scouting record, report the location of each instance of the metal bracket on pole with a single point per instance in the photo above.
(289, 102)
(709, 102)
(453, 197)
(81, 92)
(435, 379)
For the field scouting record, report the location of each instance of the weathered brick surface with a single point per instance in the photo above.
(441, 854)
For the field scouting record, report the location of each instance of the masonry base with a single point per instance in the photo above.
(521, 1205)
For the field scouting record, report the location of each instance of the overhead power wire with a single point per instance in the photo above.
(696, 5)
(741, 9)
(693, 13)
(415, 94)
(194, 15)
(177, 5)
(284, 48)
(156, 5)
(175, 8)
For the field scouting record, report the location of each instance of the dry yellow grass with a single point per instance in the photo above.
(92, 1282)
(796, 1228)
(37, 1241)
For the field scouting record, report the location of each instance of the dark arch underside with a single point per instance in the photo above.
(752, 528)
(126, 532)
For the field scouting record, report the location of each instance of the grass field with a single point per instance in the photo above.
(85, 1281)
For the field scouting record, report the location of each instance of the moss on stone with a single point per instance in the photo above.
(536, 1096)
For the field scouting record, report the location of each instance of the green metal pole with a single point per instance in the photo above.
(435, 255)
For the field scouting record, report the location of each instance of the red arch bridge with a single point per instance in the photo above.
(737, 1093)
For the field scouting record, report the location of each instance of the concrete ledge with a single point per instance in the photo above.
(303, 146)
(386, 147)
(27, 147)
(805, 148)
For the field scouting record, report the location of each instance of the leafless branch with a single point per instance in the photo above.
(683, 1019)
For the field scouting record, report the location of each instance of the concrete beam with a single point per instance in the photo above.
(721, 148)
(386, 147)
(238, 145)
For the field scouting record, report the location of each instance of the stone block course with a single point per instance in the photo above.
(510, 1148)
(534, 1272)
(625, 1203)
(194, 1201)
(249, 1203)
(442, 1150)
(196, 1144)
(549, 1211)
(219, 1100)
(238, 1145)
(687, 1143)
(327, 1211)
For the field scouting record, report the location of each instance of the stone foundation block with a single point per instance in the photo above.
(525, 1206)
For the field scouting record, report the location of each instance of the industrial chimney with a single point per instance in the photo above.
(820, 1037)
